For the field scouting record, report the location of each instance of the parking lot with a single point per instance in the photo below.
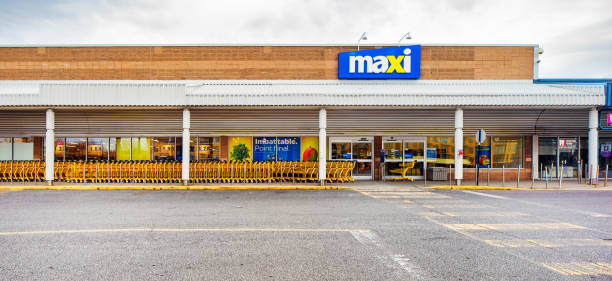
(368, 233)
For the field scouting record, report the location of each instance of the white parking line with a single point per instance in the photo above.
(484, 194)
(369, 238)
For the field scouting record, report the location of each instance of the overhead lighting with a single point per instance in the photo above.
(364, 36)
(405, 36)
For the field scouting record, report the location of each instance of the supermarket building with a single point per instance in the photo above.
(381, 107)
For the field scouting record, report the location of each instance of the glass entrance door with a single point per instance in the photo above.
(404, 157)
(556, 153)
(568, 157)
(354, 149)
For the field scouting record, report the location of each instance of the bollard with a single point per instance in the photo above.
(561, 175)
(606, 179)
(579, 171)
(503, 175)
(518, 176)
(450, 175)
(488, 175)
(546, 176)
(597, 176)
(425, 172)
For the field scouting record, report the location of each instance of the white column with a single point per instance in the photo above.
(459, 145)
(186, 136)
(535, 165)
(50, 147)
(593, 141)
(322, 145)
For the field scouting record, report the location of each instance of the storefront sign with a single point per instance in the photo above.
(386, 63)
(276, 149)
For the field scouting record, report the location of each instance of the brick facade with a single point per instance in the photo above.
(245, 62)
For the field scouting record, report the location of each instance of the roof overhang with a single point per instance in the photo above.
(300, 93)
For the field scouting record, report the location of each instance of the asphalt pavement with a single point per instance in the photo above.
(369, 233)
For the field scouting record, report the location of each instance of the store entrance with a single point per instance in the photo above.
(354, 149)
(556, 153)
(404, 157)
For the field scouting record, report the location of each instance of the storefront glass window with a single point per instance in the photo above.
(6, 149)
(568, 156)
(23, 148)
(393, 150)
(75, 149)
(440, 151)
(507, 152)
(97, 149)
(164, 148)
(413, 150)
(362, 150)
(341, 150)
(142, 148)
(605, 154)
(208, 148)
(112, 149)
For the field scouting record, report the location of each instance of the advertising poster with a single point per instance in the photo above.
(240, 148)
(483, 154)
(310, 149)
(288, 148)
(264, 149)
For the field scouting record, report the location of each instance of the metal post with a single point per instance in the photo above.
(425, 171)
(597, 176)
(518, 176)
(606, 179)
(477, 173)
(551, 170)
(450, 175)
(503, 175)
(546, 176)
(489, 174)
(561, 175)
(579, 171)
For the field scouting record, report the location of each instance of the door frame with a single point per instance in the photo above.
(352, 140)
(403, 140)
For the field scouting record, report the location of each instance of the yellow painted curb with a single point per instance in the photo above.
(178, 187)
(478, 187)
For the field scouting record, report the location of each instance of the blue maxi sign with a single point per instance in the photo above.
(387, 63)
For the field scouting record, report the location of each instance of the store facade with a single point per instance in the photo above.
(392, 110)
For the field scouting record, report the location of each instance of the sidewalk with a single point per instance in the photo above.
(359, 185)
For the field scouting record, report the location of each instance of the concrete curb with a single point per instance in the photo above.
(179, 187)
(516, 188)
(477, 187)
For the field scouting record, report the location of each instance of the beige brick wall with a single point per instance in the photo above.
(248, 62)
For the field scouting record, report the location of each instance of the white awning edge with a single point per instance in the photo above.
(419, 93)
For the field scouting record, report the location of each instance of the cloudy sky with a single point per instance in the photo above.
(576, 35)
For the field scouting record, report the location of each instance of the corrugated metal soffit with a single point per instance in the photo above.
(254, 122)
(119, 123)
